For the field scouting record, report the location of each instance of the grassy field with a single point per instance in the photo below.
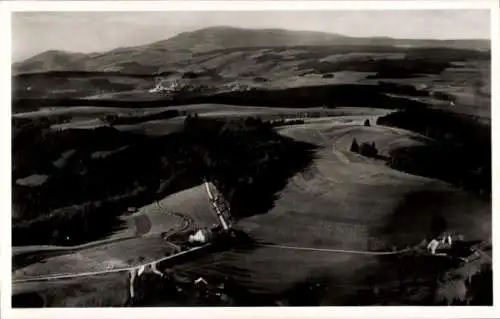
(269, 271)
(90, 140)
(79, 292)
(92, 117)
(164, 216)
(121, 254)
(359, 205)
(139, 243)
(192, 203)
(342, 200)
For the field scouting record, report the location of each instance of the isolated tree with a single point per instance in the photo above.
(354, 146)
(367, 122)
(367, 149)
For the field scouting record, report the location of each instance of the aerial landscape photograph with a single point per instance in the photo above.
(251, 158)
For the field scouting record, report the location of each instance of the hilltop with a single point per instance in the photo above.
(187, 45)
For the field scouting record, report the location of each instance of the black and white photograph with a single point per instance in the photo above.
(262, 158)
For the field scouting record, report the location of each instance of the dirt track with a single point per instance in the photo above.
(330, 209)
(143, 226)
(189, 222)
(84, 274)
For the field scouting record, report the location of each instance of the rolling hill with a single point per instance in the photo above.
(188, 45)
(270, 116)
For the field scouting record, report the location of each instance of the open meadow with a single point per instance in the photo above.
(334, 161)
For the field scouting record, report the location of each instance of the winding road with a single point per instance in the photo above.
(100, 272)
(343, 251)
(115, 270)
(189, 222)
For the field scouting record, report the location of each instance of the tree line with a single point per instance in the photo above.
(460, 153)
(245, 158)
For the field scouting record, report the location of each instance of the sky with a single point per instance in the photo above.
(35, 32)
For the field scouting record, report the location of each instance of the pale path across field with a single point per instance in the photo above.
(360, 252)
(84, 274)
(93, 273)
(188, 222)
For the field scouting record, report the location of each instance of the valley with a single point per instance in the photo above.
(339, 164)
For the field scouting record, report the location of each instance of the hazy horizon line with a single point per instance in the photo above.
(21, 59)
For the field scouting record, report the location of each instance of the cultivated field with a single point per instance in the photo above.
(75, 292)
(351, 205)
(338, 156)
(343, 202)
(139, 243)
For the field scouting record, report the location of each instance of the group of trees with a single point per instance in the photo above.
(246, 159)
(365, 149)
(84, 197)
(460, 153)
(329, 95)
(116, 119)
(385, 68)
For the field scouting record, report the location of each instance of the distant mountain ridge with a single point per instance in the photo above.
(181, 47)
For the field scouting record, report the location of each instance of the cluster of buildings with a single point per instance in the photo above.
(453, 246)
(171, 86)
(168, 87)
(221, 211)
